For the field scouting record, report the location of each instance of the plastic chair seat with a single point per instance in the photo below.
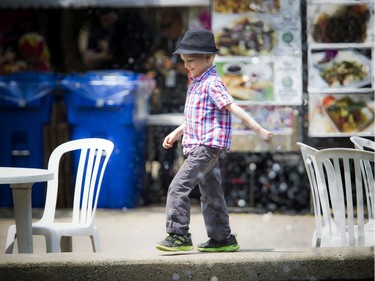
(335, 240)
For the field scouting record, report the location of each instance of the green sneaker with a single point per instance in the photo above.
(227, 245)
(175, 243)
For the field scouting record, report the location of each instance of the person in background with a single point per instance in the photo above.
(169, 95)
(97, 54)
(118, 40)
(168, 70)
(33, 49)
(23, 43)
(206, 134)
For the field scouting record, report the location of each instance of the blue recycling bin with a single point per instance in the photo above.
(112, 105)
(25, 107)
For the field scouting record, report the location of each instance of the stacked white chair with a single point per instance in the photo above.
(367, 145)
(363, 144)
(320, 200)
(350, 188)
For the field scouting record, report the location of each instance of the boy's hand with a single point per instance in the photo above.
(169, 141)
(265, 135)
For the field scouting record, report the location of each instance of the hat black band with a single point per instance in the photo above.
(197, 48)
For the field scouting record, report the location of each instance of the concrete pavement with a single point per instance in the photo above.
(138, 230)
(273, 247)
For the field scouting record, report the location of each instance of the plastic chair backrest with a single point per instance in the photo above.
(94, 154)
(367, 145)
(344, 177)
(362, 143)
(319, 195)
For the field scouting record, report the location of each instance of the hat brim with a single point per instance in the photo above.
(194, 52)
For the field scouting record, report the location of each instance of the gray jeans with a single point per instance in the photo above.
(200, 167)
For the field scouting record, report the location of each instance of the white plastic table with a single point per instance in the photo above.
(21, 181)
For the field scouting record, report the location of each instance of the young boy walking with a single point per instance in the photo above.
(206, 133)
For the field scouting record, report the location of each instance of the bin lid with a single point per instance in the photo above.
(103, 86)
(25, 87)
(102, 77)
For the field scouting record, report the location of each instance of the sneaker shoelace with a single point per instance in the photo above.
(173, 237)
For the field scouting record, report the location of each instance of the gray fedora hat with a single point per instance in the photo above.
(197, 41)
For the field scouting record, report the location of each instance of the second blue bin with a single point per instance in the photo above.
(113, 105)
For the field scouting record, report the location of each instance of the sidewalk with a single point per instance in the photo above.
(273, 247)
(138, 230)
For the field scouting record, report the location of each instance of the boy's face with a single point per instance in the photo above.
(197, 64)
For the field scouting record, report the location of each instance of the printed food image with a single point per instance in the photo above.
(344, 73)
(236, 7)
(246, 37)
(249, 82)
(347, 115)
(240, 88)
(348, 24)
(237, 87)
(347, 68)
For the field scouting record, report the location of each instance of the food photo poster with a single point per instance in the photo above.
(340, 68)
(260, 57)
(260, 61)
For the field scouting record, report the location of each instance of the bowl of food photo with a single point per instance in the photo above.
(347, 115)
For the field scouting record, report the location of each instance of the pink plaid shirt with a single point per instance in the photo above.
(207, 122)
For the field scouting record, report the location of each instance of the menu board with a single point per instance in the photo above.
(260, 61)
(340, 67)
(260, 57)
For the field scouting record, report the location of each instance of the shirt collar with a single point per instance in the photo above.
(205, 74)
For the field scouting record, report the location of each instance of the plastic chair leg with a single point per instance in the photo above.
(11, 238)
(95, 240)
(316, 241)
(52, 242)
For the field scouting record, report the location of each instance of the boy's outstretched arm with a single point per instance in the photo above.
(170, 139)
(245, 118)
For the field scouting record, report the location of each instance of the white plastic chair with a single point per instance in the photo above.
(363, 144)
(319, 195)
(346, 182)
(94, 154)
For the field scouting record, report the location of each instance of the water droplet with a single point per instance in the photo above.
(252, 167)
(272, 175)
(276, 167)
(175, 277)
(283, 187)
(286, 269)
(267, 217)
(241, 203)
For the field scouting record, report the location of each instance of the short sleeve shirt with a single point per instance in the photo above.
(207, 121)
